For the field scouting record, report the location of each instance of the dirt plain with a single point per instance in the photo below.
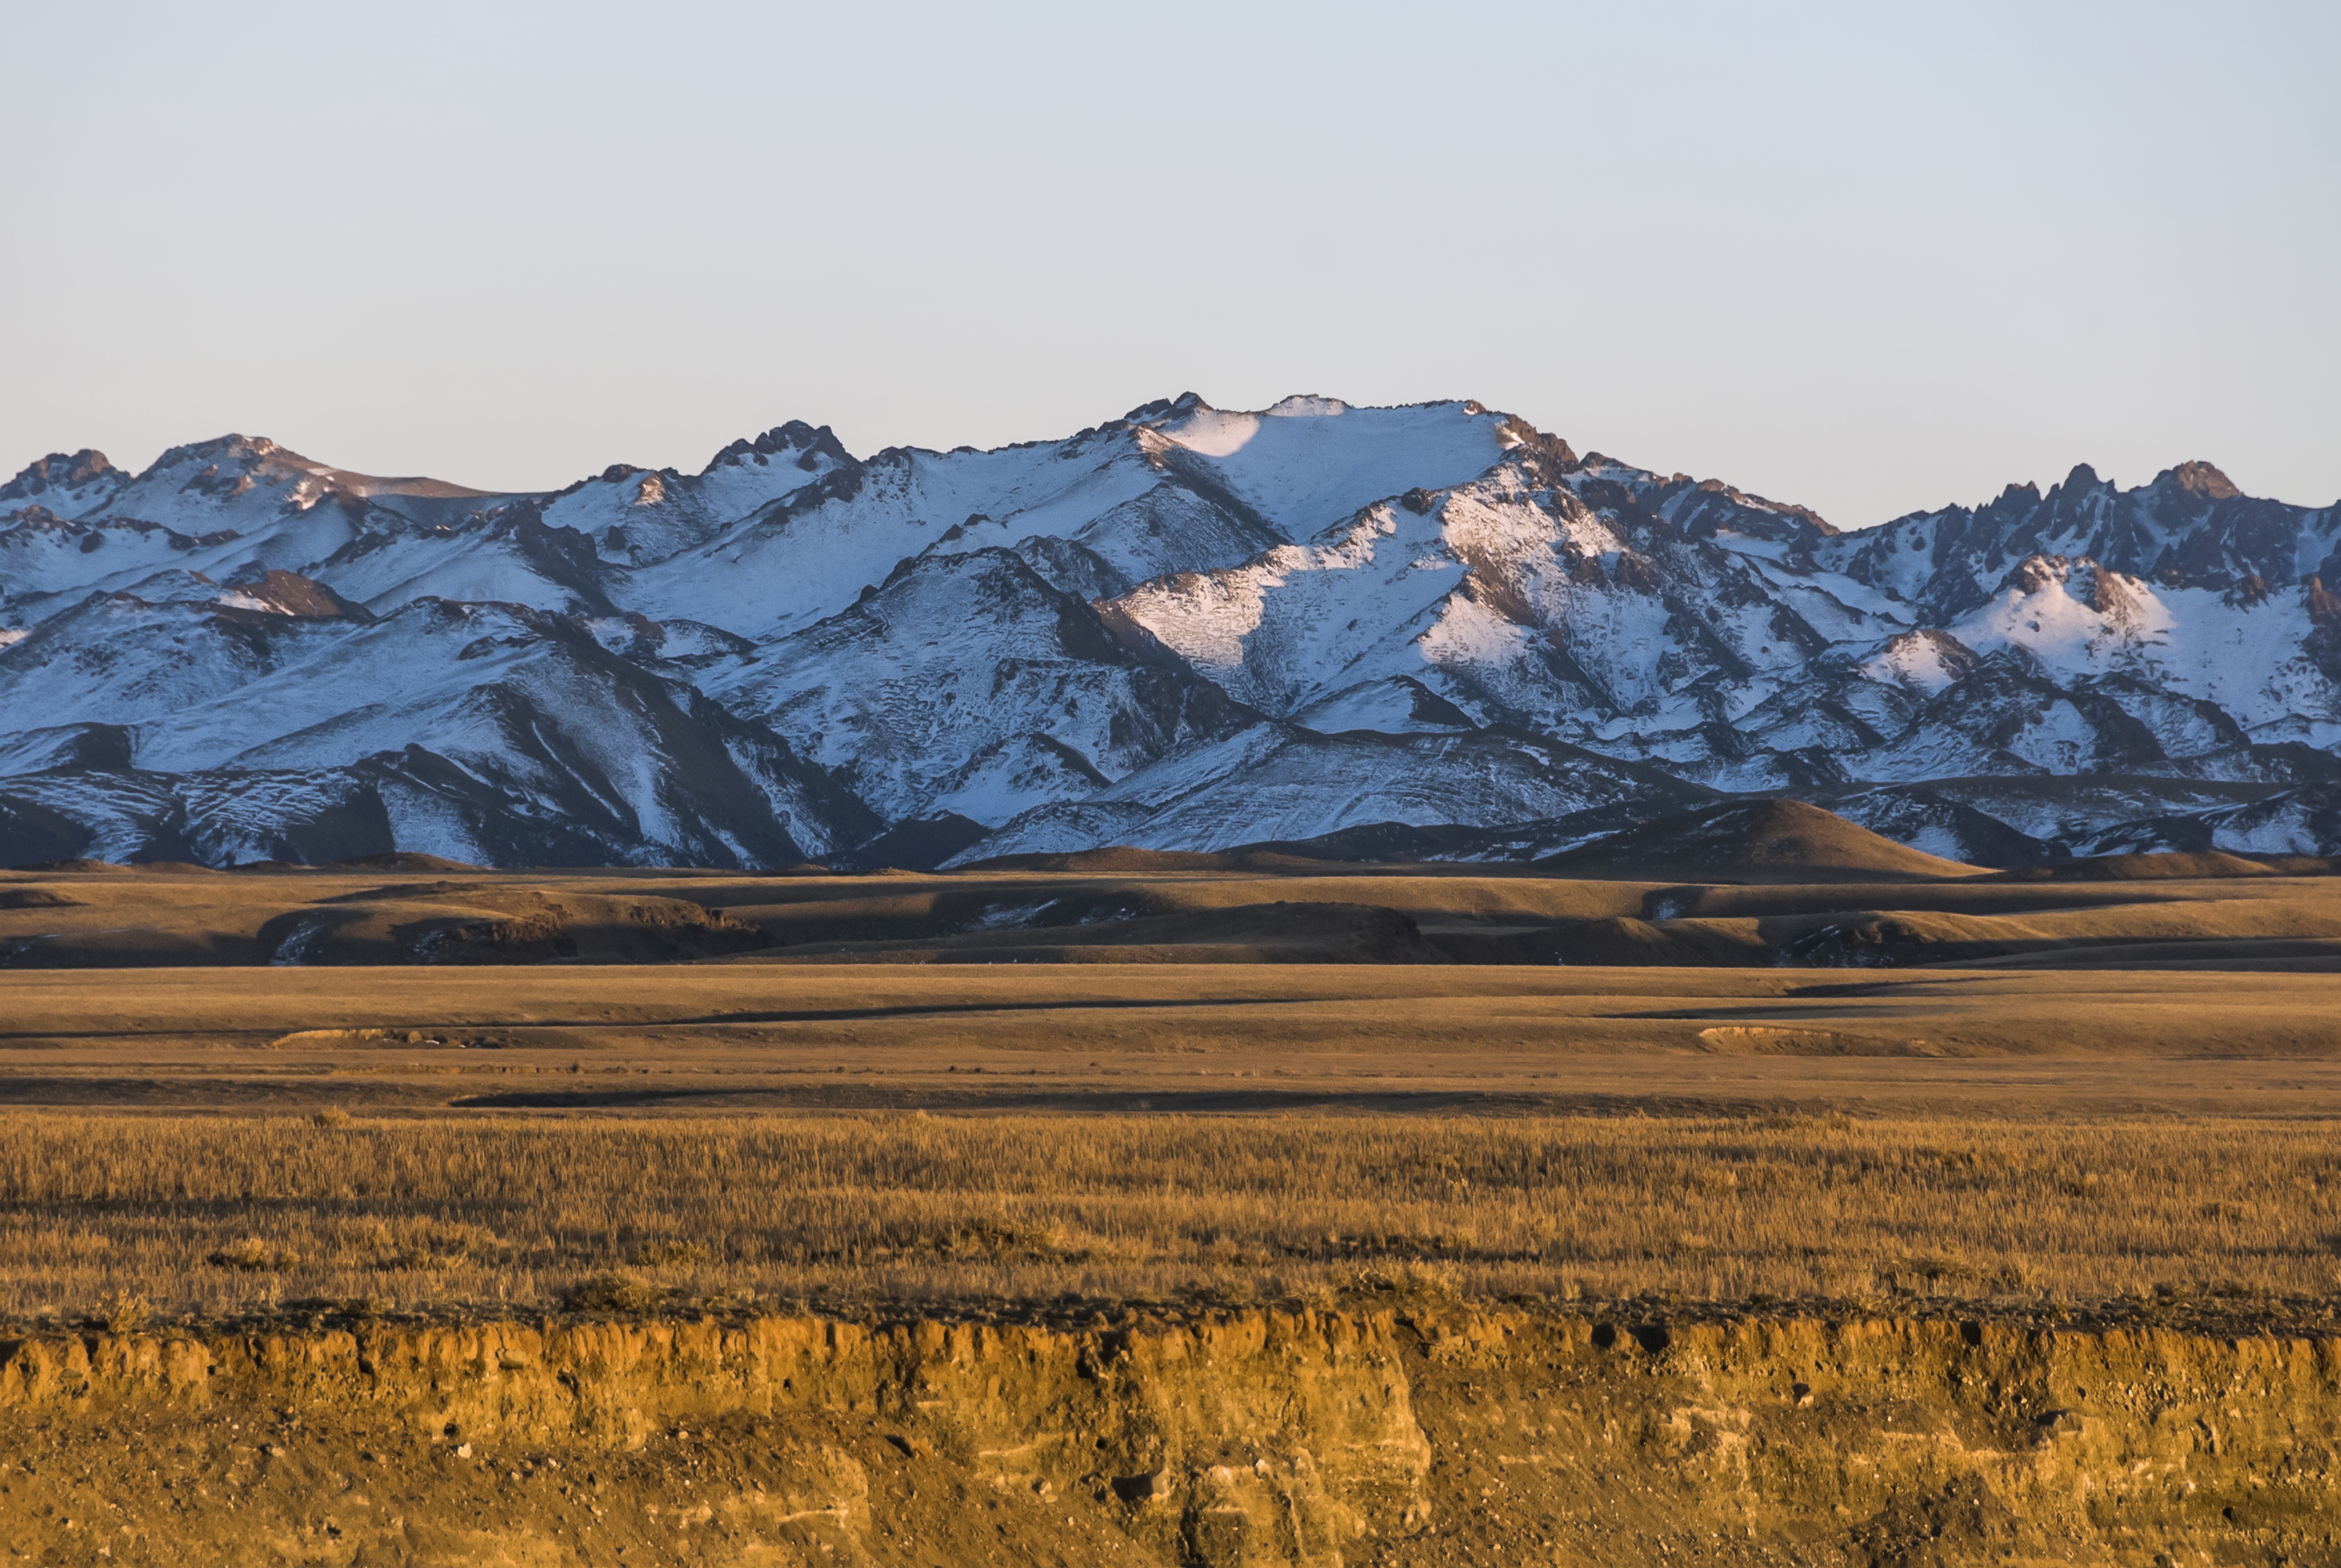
(1129, 1209)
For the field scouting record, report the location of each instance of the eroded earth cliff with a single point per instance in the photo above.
(1437, 1433)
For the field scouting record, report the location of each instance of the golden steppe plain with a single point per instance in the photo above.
(1168, 1210)
(1137, 1078)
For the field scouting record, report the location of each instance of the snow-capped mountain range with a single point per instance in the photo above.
(1184, 629)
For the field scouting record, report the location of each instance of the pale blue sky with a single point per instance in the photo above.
(1869, 257)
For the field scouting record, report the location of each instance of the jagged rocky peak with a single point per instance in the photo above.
(233, 447)
(2113, 594)
(1680, 506)
(2037, 573)
(640, 517)
(2200, 480)
(288, 593)
(810, 448)
(1519, 437)
(58, 472)
(2191, 528)
(224, 462)
(1185, 402)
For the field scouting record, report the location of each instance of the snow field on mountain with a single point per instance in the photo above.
(464, 568)
(1307, 462)
(126, 661)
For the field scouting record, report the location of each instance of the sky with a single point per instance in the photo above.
(1871, 258)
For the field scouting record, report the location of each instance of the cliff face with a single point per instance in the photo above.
(1247, 1437)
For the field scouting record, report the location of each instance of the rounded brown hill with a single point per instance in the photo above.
(1752, 841)
(405, 860)
(2197, 866)
(1119, 857)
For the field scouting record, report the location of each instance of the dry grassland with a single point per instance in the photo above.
(235, 1214)
(1135, 1127)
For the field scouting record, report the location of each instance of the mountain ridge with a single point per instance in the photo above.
(1187, 628)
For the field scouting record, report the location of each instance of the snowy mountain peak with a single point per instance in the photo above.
(1927, 660)
(812, 449)
(233, 447)
(230, 467)
(1185, 402)
(60, 476)
(636, 517)
(1308, 405)
(2200, 480)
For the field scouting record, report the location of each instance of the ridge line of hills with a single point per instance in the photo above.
(1432, 631)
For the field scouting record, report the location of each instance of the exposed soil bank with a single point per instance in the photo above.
(1424, 1435)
